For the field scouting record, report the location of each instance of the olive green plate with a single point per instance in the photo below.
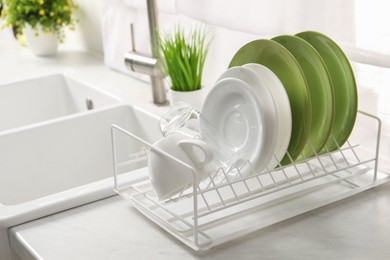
(278, 59)
(344, 87)
(321, 91)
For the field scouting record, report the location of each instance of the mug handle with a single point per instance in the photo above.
(187, 145)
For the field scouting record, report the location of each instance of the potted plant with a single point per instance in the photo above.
(41, 21)
(183, 57)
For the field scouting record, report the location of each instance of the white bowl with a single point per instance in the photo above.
(233, 110)
(270, 127)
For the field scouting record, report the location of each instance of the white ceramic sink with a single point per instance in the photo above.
(64, 163)
(56, 154)
(36, 100)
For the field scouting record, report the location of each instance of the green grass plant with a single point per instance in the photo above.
(183, 58)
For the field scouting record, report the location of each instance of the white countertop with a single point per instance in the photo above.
(355, 228)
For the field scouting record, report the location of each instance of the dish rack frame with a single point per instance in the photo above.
(229, 203)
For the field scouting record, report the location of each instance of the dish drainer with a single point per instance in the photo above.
(219, 208)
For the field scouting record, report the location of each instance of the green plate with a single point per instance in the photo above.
(344, 87)
(321, 91)
(278, 59)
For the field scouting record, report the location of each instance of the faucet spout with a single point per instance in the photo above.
(146, 64)
(153, 25)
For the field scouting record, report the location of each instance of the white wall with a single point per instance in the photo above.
(88, 33)
(231, 24)
(103, 26)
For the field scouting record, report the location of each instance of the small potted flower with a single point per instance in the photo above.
(183, 57)
(41, 21)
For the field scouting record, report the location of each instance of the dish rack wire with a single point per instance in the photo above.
(229, 203)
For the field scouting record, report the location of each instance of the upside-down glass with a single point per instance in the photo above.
(184, 119)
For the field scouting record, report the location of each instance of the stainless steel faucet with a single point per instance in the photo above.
(146, 64)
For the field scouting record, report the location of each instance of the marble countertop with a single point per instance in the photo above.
(354, 228)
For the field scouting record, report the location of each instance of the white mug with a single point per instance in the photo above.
(169, 177)
(184, 119)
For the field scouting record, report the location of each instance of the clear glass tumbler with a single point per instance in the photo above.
(182, 118)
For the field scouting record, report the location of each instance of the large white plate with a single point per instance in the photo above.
(232, 109)
(267, 106)
(282, 103)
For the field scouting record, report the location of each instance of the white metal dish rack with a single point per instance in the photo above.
(218, 208)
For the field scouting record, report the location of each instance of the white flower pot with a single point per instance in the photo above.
(40, 43)
(194, 98)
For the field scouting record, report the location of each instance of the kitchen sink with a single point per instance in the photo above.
(45, 98)
(55, 147)
(64, 163)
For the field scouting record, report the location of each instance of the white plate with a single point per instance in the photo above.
(231, 107)
(282, 102)
(267, 106)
